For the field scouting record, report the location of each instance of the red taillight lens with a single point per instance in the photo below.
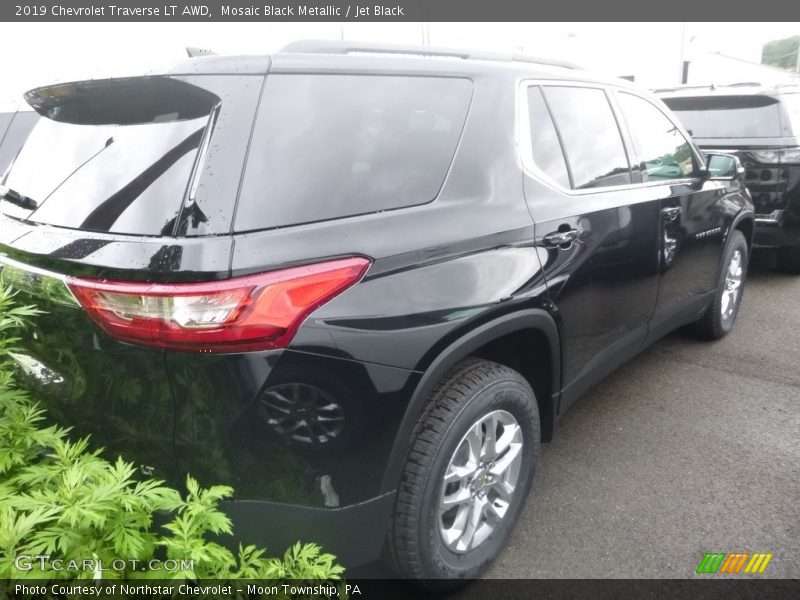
(255, 312)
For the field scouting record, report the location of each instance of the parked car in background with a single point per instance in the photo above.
(760, 125)
(361, 289)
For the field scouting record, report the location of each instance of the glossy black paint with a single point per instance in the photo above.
(471, 273)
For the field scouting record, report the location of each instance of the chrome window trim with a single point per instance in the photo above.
(524, 147)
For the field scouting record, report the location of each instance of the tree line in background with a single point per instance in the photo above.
(783, 54)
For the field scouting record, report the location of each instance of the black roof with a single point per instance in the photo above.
(353, 57)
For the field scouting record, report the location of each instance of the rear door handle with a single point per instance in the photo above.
(671, 213)
(558, 238)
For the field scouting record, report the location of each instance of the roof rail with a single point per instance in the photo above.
(744, 84)
(678, 88)
(348, 47)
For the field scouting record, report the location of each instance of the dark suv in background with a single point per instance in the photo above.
(360, 284)
(760, 125)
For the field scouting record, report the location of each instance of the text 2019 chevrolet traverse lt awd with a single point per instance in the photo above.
(356, 284)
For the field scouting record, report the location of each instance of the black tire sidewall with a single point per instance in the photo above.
(502, 394)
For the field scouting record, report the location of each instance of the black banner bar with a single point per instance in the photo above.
(394, 10)
(700, 588)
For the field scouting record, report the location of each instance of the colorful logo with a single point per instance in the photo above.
(734, 562)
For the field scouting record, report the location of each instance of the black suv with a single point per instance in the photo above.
(359, 284)
(761, 125)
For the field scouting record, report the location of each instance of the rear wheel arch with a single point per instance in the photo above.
(498, 340)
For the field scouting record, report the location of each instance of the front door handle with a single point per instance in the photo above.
(559, 238)
(671, 213)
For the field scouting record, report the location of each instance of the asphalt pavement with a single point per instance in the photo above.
(692, 447)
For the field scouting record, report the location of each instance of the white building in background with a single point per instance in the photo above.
(719, 69)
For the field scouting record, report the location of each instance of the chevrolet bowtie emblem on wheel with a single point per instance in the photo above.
(734, 562)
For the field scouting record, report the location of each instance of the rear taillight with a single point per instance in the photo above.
(254, 312)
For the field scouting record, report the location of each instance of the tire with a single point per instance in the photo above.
(789, 259)
(474, 390)
(721, 314)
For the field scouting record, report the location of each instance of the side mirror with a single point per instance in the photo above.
(723, 166)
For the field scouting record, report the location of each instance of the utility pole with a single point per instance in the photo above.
(682, 71)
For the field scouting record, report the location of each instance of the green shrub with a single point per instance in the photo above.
(59, 498)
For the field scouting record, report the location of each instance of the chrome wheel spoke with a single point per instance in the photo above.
(460, 496)
(473, 523)
(506, 440)
(474, 439)
(497, 508)
(489, 444)
(452, 534)
(455, 473)
(726, 301)
(508, 459)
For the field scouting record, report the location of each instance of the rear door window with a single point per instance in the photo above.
(663, 151)
(332, 146)
(590, 135)
(752, 116)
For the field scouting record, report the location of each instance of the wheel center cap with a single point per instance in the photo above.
(480, 480)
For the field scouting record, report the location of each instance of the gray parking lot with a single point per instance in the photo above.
(692, 447)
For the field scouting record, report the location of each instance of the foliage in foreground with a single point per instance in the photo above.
(60, 498)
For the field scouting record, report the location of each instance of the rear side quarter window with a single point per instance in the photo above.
(590, 136)
(546, 151)
(332, 146)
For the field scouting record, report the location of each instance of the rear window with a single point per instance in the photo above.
(332, 146)
(111, 155)
(728, 116)
(19, 126)
(5, 121)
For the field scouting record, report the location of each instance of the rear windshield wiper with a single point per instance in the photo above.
(9, 195)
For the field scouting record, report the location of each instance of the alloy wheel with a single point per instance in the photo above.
(480, 481)
(732, 285)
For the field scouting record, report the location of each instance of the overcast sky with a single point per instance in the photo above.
(39, 53)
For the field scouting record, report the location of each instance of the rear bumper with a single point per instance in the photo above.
(354, 534)
(772, 232)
